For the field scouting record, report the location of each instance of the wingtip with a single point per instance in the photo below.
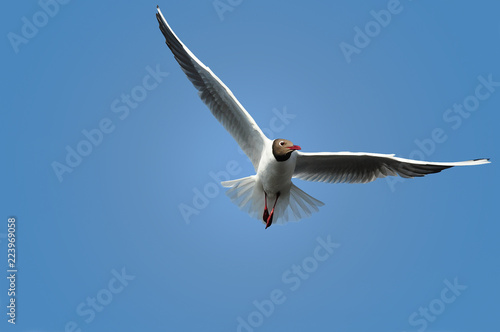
(159, 14)
(482, 161)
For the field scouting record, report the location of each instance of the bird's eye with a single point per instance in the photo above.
(282, 143)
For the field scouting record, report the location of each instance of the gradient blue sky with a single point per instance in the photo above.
(119, 208)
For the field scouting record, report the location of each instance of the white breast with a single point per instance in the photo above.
(275, 176)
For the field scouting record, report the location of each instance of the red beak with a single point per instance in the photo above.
(295, 147)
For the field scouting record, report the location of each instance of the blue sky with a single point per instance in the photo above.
(102, 244)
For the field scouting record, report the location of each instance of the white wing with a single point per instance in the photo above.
(349, 167)
(219, 99)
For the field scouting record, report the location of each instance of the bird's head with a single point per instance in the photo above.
(282, 149)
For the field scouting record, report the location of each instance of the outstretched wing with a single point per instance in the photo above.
(219, 99)
(349, 167)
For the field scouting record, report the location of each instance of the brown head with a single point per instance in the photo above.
(282, 149)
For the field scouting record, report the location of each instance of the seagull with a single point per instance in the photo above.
(270, 194)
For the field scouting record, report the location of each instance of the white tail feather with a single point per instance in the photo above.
(293, 204)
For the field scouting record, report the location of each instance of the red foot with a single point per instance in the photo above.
(265, 217)
(268, 217)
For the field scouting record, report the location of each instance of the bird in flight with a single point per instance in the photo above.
(270, 195)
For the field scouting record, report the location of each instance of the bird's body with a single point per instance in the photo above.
(275, 175)
(272, 188)
(270, 195)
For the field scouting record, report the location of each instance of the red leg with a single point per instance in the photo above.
(266, 212)
(270, 218)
